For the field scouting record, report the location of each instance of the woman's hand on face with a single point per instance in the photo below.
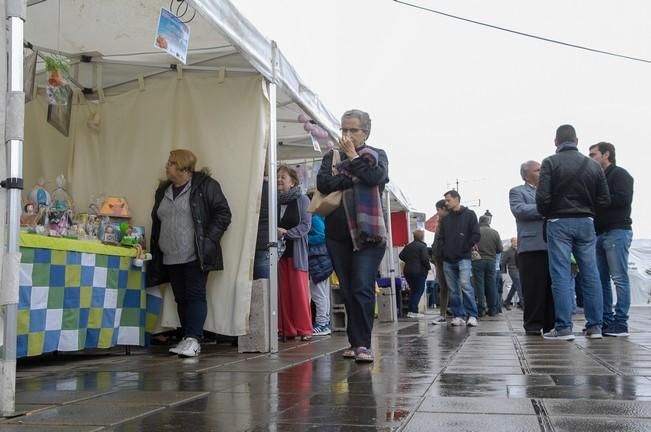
(347, 146)
(281, 232)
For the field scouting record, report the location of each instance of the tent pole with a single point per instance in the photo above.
(392, 270)
(273, 209)
(14, 130)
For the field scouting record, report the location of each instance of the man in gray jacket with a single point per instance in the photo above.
(532, 253)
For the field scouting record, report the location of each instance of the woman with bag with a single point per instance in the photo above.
(294, 319)
(356, 230)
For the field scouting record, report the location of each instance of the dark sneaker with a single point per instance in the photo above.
(321, 330)
(565, 334)
(616, 330)
(592, 332)
(507, 306)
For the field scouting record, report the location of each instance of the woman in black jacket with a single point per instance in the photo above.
(356, 231)
(189, 217)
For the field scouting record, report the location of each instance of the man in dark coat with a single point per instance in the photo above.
(416, 259)
(572, 187)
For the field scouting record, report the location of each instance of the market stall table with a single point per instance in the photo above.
(77, 294)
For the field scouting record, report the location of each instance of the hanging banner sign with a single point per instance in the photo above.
(172, 36)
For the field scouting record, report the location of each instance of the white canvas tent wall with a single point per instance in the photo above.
(639, 272)
(111, 47)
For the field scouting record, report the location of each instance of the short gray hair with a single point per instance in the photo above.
(524, 169)
(362, 116)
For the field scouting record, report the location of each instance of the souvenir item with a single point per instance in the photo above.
(110, 236)
(60, 198)
(39, 195)
(115, 206)
(29, 216)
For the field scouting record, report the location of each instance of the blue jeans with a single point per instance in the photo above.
(566, 236)
(461, 293)
(612, 261)
(416, 288)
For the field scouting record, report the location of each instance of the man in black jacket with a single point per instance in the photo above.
(614, 235)
(571, 188)
(416, 259)
(459, 233)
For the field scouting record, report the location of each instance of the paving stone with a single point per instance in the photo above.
(78, 415)
(597, 424)
(426, 422)
(598, 408)
(477, 405)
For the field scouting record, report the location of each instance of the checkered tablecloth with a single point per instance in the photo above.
(70, 300)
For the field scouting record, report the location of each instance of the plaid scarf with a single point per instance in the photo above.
(363, 206)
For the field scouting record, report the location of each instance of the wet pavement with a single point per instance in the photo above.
(425, 378)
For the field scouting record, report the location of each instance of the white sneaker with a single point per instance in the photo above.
(191, 348)
(472, 322)
(457, 322)
(415, 315)
(177, 348)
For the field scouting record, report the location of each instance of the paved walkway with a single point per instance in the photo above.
(425, 378)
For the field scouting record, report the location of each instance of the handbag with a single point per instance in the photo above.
(324, 204)
(474, 254)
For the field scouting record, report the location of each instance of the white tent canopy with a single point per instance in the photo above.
(639, 272)
(112, 42)
(111, 49)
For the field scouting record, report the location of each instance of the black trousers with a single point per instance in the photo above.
(537, 291)
(189, 285)
(356, 272)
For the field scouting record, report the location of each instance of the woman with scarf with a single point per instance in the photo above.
(294, 319)
(356, 231)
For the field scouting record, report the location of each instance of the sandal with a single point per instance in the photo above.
(364, 355)
(349, 353)
(306, 338)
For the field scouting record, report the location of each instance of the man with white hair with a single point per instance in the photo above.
(533, 262)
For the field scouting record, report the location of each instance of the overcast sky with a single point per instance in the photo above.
(452, 100)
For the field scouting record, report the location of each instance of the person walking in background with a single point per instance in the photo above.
(510, 261)
(189, 218)
(417, 265)
(356, 231)
(320, 271)
(483, 269)
(499, 281)
(459, 233)
(437, 260)
(294, 222)
(533, 262)
(571, 188)
(614, 236)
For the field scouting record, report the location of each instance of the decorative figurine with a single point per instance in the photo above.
(39, 195)
(60, 197)
(29, 216)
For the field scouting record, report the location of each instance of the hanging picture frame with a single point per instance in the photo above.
(59, 115)
(29, 74)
